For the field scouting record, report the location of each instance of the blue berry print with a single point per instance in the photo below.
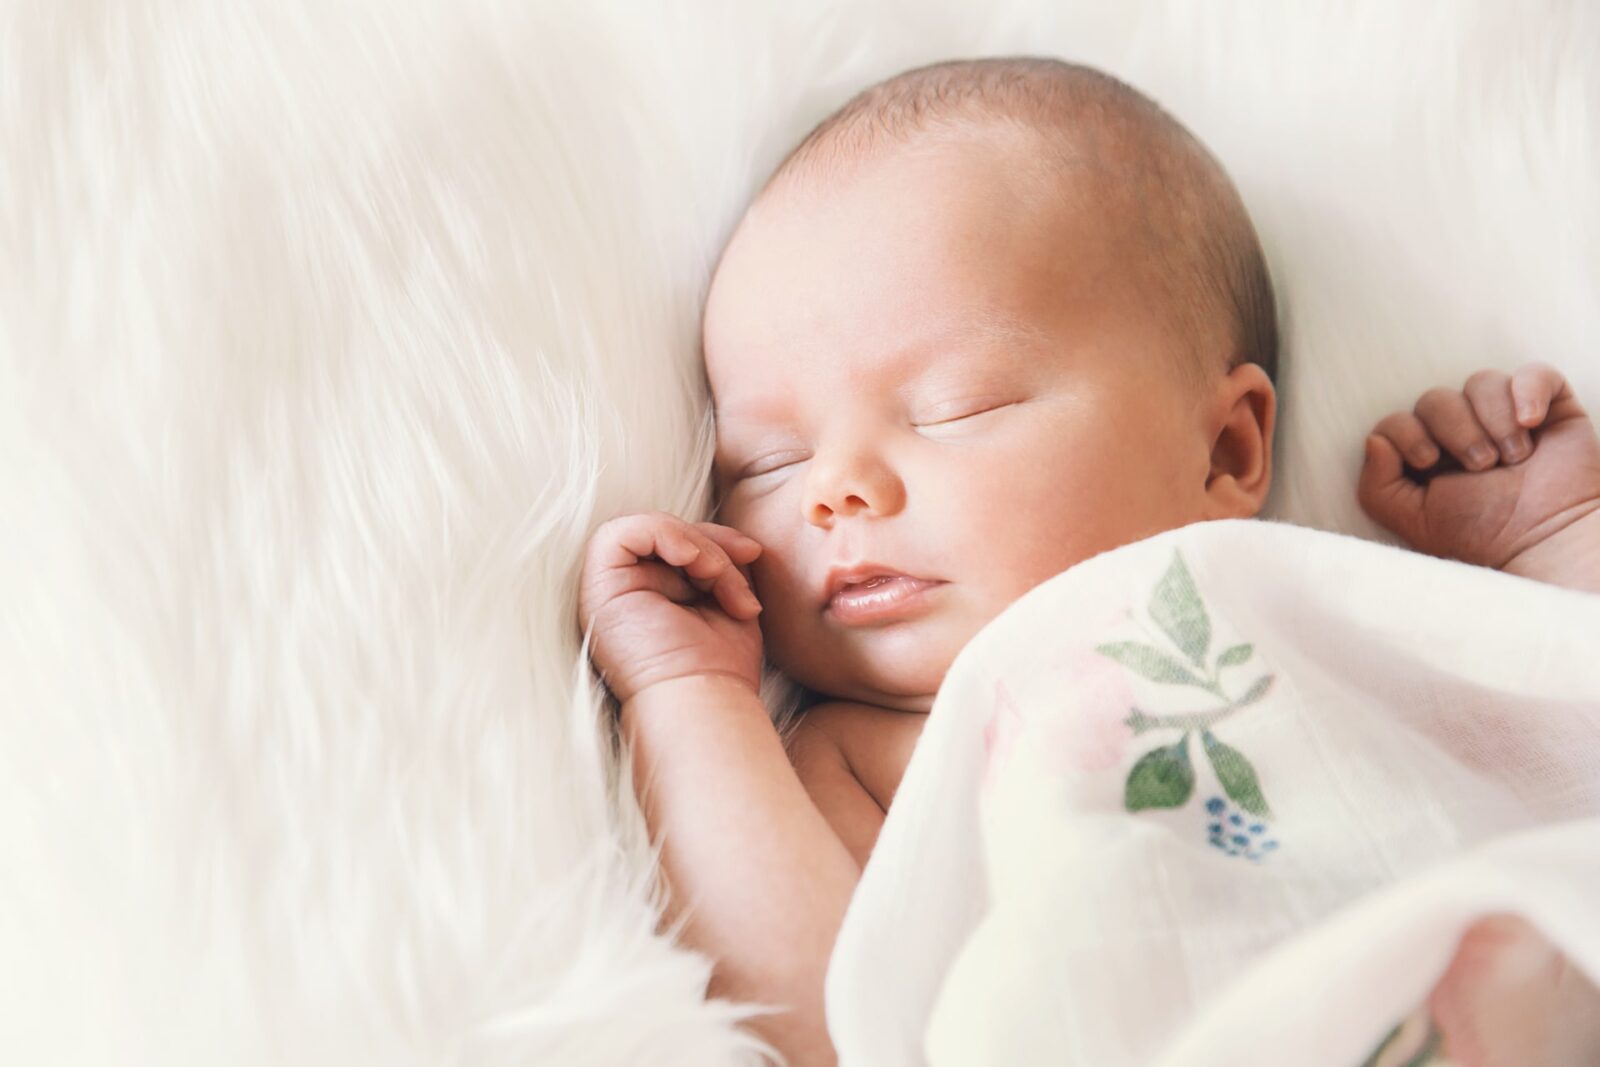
(1232, 836)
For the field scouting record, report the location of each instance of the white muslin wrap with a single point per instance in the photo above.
(1236, 794)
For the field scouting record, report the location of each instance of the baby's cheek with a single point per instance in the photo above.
(779, 583)
(789, 620)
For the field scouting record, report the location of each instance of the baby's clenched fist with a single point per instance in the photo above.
(1501, 469)
(669, 599)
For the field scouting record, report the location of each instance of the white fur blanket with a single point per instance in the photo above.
(1234, 795)
(329, 330)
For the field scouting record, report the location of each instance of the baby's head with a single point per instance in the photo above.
(991, 318)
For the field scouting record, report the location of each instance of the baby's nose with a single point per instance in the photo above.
(857, 485)
(820, 511)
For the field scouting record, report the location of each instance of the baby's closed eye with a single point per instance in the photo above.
(776, 462)
(957, 410)
(947, 414)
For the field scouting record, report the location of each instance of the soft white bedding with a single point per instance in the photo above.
(1232, 795)
(328, 331)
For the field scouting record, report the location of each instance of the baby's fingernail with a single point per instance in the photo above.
(1516, 447)
(1480, 455)
(1527, 410)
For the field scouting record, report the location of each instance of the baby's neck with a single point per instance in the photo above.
(911, 705)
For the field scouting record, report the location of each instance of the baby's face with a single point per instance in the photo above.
(929, 368)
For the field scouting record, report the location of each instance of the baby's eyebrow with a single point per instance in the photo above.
(976, 332)
(986, 332)
(991, 326)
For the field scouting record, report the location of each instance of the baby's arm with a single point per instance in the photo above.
(760, 876)
(1505, 473)
(753, 871)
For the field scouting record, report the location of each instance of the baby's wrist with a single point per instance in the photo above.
(1570, 556)
(692, 692)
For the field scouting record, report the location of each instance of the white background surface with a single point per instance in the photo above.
(328, 331)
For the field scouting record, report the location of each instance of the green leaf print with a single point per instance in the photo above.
(1257, 690)
(1237, 776)
(1235, 655)
(1163, 778)
(1176, 607)
(1149, 661)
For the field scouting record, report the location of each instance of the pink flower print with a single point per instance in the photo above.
(1090, 731)
(999, 735)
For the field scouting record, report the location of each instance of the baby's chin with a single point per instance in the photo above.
(898, 667)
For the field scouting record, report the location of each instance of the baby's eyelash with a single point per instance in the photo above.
(752, 472)
(778, 467)
(968, 415)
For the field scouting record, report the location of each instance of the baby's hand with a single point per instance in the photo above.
(1508, 463)
(650, 622)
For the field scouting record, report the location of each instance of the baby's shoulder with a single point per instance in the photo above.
(875, 742)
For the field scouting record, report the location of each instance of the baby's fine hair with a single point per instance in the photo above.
(1206, 251)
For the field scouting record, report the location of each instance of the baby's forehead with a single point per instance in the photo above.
(910, 213)
(978, 348)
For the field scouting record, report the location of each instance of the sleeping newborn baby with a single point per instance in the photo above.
(990, 319)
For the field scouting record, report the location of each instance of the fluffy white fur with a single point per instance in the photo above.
(328, 331)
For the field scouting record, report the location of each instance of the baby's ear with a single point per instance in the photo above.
(1244, 408)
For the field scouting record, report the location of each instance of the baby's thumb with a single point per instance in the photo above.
(1385, 493)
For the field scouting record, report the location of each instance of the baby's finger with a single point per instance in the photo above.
(1386, 494)
(659, 577)
(741, 548)
(617, 561)
(1448, 417)
(1542, 392)
(710, 560)
(1406, 432)
(1489, 392)
(627, 539)
(715, 573)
